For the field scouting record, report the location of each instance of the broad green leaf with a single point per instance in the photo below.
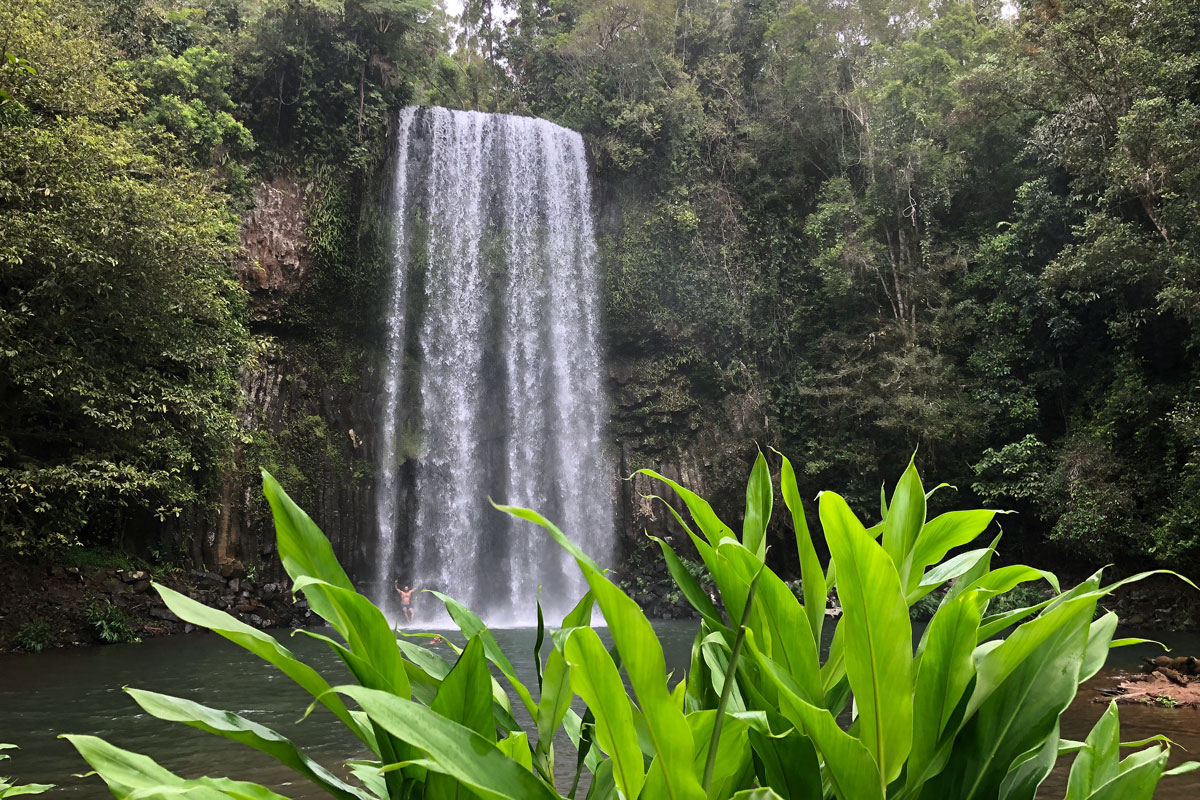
(262, 645)
(239, 729)
(850, 768)
(465, 695)
(642, 656)
(1099, 760)
(131, 775)
(789, 764)
(687, 583)
(944, 672)
(816, 591)
(1137, 779)
(996, 623)
(903, 524)
(780, 620)
(552, 708)
(1099, 643)
(942, 534)
(1023, 684)
(706, 519)
(471, 625)
(603, 786)
(594, 677)
(367, 632)
(367, 773)
(956, 567)
(555, 701)
(516, 747)
(1029, 769)
(716, 653)
(303, 548)
(878, 640)
(759, 499)
(732, 761)
(458, 751)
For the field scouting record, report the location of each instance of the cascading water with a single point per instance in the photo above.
(493, 380)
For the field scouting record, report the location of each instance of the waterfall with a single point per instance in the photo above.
(493, 384)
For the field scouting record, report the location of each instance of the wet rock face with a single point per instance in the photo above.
(275, 262)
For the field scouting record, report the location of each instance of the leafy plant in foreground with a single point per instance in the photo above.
(965, 714)
(10, 789)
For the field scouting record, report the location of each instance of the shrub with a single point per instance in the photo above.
(969, 713)
(110, 623)
(33, 636)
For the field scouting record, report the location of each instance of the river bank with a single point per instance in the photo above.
(56, 605)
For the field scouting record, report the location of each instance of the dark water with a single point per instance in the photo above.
(79, 691)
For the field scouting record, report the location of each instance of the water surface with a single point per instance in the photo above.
(79, 691)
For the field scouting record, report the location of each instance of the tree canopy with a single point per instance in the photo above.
(964, 227)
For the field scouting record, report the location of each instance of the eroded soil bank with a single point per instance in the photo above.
(58, 605)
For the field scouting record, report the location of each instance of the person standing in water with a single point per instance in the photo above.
(406, 601)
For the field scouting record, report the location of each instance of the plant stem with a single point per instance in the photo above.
(730, 672)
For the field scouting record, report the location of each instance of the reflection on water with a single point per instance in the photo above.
(79, 691)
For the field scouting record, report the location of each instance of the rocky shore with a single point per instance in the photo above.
(59, 606)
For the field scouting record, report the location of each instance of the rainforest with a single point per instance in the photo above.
(848, 230)
(423, 325)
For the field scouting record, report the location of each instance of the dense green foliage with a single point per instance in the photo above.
(906, 223)
(130, 135)
(758, 716)
(120, 323)
(961, 225)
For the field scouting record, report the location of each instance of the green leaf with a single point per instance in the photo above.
(465, 695)
(516, 747)
(779, 621)
(706, 519)
(262, 645)
(555, 701)
(239, 729)
(378, 663)
(594, 677)
(788, 764)
(1023, 684)
(303, 548)
(642, 655)
(942, 534)
(1099, 760)
(878, 642)
(850, 768)
(131, 775)
(552, 708)
(944, 672)
(816, 591)
(688, 584)
(730, 759)
(471, 626)
(904, 522)
(759, 498)
(1029, 769)
(457, 750)
(541, 637)
(1139, 776)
